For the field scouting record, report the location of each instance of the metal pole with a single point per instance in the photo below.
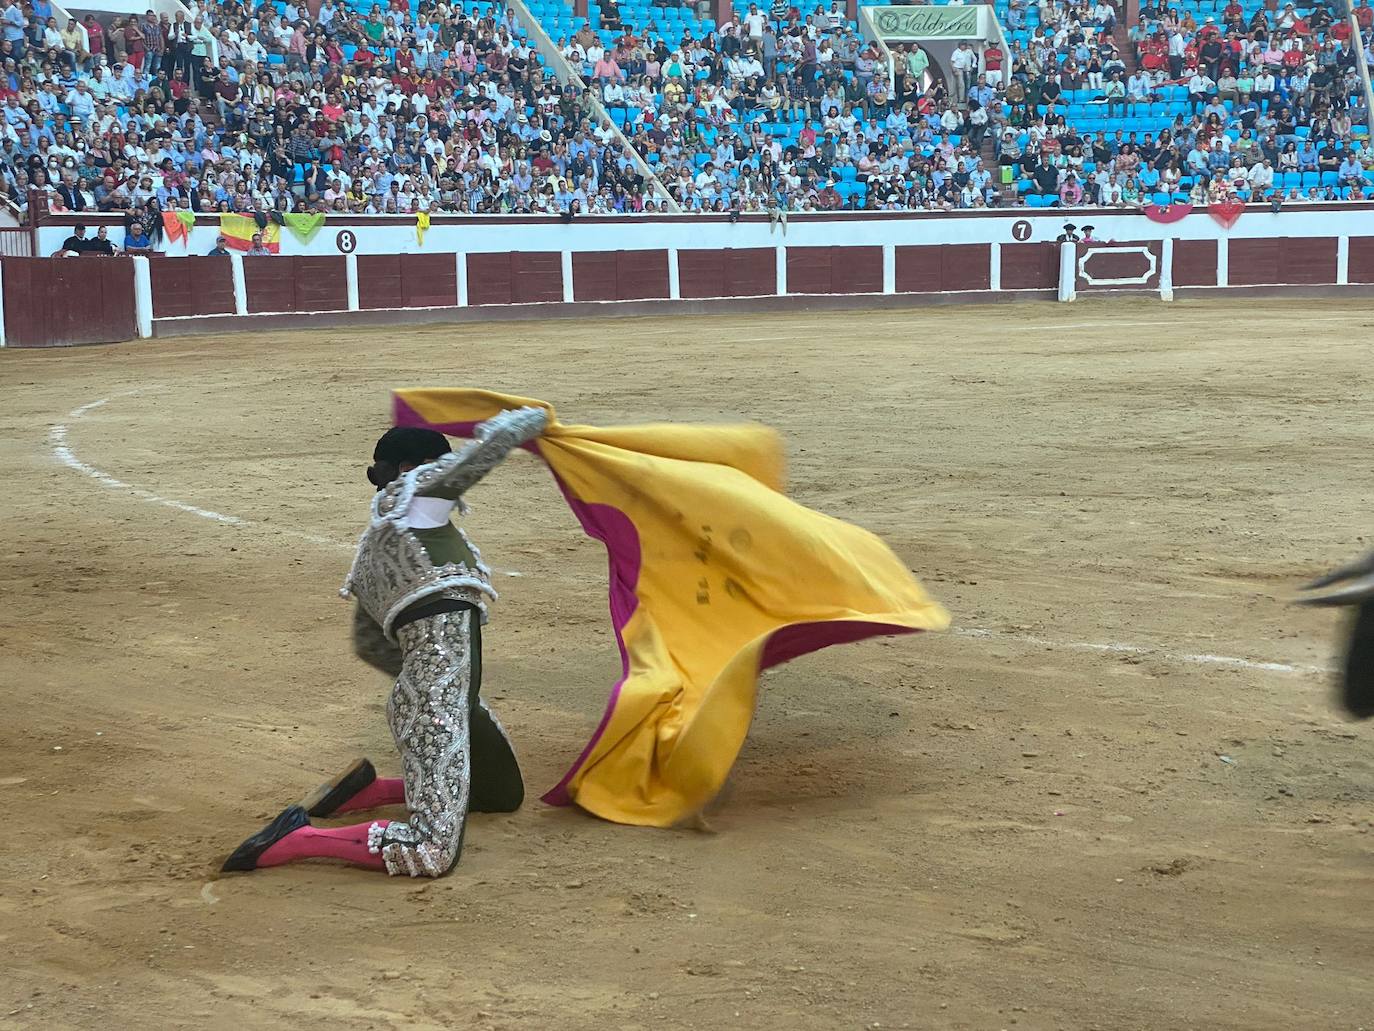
(1363, 65)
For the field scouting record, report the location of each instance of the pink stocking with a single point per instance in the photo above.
(347, 843)
(382, 791)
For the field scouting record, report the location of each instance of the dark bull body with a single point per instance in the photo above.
(1353, 586)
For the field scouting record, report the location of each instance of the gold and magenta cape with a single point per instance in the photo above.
(715, 575)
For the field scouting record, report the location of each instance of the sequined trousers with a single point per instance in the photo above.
(455, 754)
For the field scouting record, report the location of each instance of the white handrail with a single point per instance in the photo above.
(566, 73)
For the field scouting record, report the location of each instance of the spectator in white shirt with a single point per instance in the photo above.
(962, 64)
(753, 24)
(252, 50)
(1199, 86)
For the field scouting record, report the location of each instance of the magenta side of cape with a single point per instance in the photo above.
(617, 532)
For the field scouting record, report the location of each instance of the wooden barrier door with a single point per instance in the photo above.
(56, 302)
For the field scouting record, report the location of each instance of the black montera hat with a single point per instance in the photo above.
(410, 445)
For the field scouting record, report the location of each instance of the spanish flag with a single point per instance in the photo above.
(238, 233)
(715, 575)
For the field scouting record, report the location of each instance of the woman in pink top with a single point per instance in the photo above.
(1071, 192)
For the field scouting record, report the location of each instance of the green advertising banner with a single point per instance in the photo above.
(925, 22)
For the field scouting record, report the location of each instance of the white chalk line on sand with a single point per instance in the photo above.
(58, 439)
(1112, 648)
(1114, 324)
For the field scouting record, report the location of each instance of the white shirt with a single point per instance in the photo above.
(429, 513)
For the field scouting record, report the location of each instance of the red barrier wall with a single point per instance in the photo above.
(1195, 263)
(943, 267)
(733, 272)
(1030, 266)
(295, 284)
(192, 285)
(520, 277)
(1116, 266)
(407, 280)
(834, 270)
(1306, 261)
(1361, 260)
(80, 300)
(619, 275)
(53, 302)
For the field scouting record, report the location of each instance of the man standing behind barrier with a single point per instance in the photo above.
(961, 65)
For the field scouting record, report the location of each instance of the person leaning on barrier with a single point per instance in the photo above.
(74, 245)
(101, 244)
(136, 239)
(219, 250)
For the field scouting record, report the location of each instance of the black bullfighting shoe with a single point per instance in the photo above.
(246, 856)
(326, 799)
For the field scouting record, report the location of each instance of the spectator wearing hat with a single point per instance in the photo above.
(74, 245)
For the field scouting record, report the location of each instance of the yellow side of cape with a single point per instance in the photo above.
(715, 574)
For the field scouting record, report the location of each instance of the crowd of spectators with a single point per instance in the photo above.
(1251, 103)
(1262, 103)
(449, 107)
(396, 111)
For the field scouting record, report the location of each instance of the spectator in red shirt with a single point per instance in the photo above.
(134, 42)
(96, 34)
(993, 59)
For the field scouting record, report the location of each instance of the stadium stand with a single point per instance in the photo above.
(424, 106)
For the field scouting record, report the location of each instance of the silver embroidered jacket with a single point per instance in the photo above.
(391, 570)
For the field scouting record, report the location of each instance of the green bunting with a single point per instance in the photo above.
(303, 226)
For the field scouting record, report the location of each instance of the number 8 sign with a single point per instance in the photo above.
(346, 241)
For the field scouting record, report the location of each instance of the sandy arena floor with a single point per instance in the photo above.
(1092, 805)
